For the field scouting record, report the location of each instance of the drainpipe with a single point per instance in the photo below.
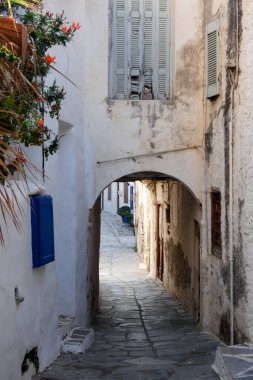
(234, 74)
(231, 223)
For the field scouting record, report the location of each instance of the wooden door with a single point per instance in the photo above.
(197, 270)
(160, 260)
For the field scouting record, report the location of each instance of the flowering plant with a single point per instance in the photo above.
(25, 96)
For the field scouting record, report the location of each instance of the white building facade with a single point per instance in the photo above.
(144, 107)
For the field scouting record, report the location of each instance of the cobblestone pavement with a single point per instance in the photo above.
(141, 332)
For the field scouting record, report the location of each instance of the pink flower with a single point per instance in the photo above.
(76, 26)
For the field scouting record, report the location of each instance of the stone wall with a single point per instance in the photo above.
(166, 217)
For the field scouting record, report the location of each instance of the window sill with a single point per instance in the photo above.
(111, 101)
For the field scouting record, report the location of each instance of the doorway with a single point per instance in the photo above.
(160, 253)
(196, 289)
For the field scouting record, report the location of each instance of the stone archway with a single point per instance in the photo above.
(172, 213)
(186, 166)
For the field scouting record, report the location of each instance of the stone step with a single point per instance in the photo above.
(234, 362)
(65, 325)
(78, 341)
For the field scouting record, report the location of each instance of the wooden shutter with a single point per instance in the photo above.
(135, 56)
(162, 49)
(212, 59)
(216, 222)
(149, 43)
(119, 49)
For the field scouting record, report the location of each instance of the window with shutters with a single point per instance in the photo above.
(140, 59)
(212, 59)
(216, 222)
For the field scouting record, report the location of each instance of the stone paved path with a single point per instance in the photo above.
(141, 332)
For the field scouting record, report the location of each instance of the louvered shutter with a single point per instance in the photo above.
(212, 59)
(119, 49)
(162, 77)
(135, 56)
(149, 43)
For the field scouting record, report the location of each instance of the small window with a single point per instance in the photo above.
(216, 222)
(212, 59)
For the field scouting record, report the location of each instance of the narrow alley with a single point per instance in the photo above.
(141, 332)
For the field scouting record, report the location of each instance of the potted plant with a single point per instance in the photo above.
(125, 213)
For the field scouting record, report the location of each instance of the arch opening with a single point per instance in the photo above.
(166, 224)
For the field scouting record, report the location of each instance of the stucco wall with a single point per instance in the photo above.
(166, 213)
(134, 128)
(243, 180)
(32, 323)
(68, 180)
(59, 287)
(228, 119)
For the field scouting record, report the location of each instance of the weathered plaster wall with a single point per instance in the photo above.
(133, 128)
(243, 180)
(93, 260)
(230, 112)
(173, 230)
(215, 270)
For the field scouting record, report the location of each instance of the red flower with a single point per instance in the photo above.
(40, 99)
(64, 29)
(50, 59)
(40, 123)
(76, 26)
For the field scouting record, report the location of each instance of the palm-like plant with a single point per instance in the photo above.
(14, 39)
(14, 46)
(24, 97)
(29, 4)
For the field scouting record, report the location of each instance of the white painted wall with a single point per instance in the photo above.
(101, 138)
(134, 128)
(33, 322)
(59, 287)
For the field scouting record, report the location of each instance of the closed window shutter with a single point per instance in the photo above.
(149, 43)
(120, 49)
(135, 56)
(212, 59)
(162, 49)
(140, 65)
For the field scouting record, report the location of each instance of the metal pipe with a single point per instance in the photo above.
(150, 154)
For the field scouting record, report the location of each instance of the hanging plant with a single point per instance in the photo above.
(25, 97)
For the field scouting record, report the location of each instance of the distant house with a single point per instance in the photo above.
(117, 194)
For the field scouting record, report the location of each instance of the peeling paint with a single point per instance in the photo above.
(209, 142)
(224, 328)
(178, 265)
(240, 285)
